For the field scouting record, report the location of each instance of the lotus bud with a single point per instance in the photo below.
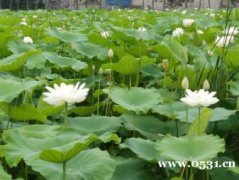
(185, 83)
(210, 53)
(106, 90)
(93, 67)
(101, 71)
(27, 40)
(110, 53)
(206, 85)
(107, 71)
(165, 64)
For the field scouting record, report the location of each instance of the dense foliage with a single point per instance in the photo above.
(137, 65)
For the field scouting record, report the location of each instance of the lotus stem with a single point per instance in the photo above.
(98, 99)
(65, 114)
(64, 170)
(187, 115)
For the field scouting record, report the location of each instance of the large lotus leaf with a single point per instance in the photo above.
(129, 169)
(135, 99)
(127, 65)
(222, 173)
(231, 58)
(23, 112)
(177, 110)
(95, 124)
(14, 86)
(37, 61)
(66, 36)
(4, 175)
(18, 47)
(144, 149)
(148, 126)
(64, 62)
(5, 37)
(84, 110)
(234, 169)
(91, 164)
(174, 109)
(91, 50)
(199, 126)
(29, 141)
(220, 113)
(234, 88)
(189, 148)
(66, 152)
(152, 70)
(48, 109)
(169, 48)
(16, 61)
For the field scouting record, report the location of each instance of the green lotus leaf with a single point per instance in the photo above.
(18, 47)
(65, 62)
(135, 99)
(220, 113)
(48, 109)
(235, 170)
(28, 142)
(127, 65)
(4, 175)
(91, 50)
(23, 112)
(131, 169)
(37, 61)
(189, 148)
(92, 164)
(234, 88)
(14, 86)
(66, 152)
(148, 126)
(95, 124)
(144, 149)
(66, 36)
(170, 48)
(177, 110)
(16, 61)
(222, 173)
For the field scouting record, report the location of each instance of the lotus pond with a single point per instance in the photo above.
(107, 95)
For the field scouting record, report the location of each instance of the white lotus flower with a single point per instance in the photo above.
(34, 16)
(65, 94)
(27, 40)
(105, 34)
(23, 23)
(184, 12)
(199, 98)
(110, 53)
(200, 32)
(212, 15)
(210, 53)
(231, 31)
(188, 22)
(178, 32)
(223, 41)
(142, 29)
